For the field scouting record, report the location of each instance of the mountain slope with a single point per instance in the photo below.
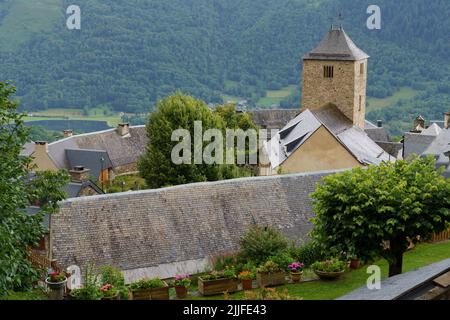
(130, 53)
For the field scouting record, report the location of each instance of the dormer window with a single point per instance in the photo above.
(328, 71)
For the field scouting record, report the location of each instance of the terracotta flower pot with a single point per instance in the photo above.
(355, 264)
(296, 276)
(246, 284)
(181, 292)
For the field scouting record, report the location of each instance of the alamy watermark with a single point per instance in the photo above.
(211, 147)
(73, 22)
(374, 20)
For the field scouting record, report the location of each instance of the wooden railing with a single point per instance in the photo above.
(42, 262)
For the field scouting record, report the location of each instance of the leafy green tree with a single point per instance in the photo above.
(377, 211)
(18, 230)
(180, 112)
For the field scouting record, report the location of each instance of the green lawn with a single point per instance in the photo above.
(35, 294)
(402, 94)
(274, 97)
(95, 114)
(26, 18)
(422, 255)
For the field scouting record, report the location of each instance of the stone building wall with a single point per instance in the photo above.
(343, 89)
(171, 230)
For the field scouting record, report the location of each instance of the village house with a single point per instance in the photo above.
(105, 153)
(433, 139)
(331, 131)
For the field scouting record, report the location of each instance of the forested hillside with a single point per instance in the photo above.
(131, 53)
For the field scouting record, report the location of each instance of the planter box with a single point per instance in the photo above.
(212, 287)
(270, 279)
(151, 294)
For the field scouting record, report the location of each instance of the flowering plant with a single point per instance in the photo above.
(333, 265)
(269, 267)
(183, 280)
(296, 267)
(246, 275)
(56, 277)
(108, 290)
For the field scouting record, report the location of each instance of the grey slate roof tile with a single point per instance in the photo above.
(336, 45)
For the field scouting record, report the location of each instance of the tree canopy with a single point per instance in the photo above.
(378, 211)
(181, 112)
(18, 230)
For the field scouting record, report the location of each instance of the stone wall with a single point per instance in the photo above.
(166, 231)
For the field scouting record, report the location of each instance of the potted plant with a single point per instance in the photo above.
(270, 274)
(296, 271)
(355, 262)
(91, 286)
(109, 292)
(217, 282)
(182, 283)
(329, 269)
(56, 282)
(246, 278)
(149, 289)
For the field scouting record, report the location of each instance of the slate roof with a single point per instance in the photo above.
(336, 45)
(299, 129)
(73, 189)
(416, 143)
(27, 149)
(32, 210)
(141, 230)
(377, 134)
(432, 130)
(90, 159)
(122, 150)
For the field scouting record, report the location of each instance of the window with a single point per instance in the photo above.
(361, 68)
(360, 102)
(328, 71)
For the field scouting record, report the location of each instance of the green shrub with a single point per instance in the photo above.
(259, 243)
(113, 276)
(307, 253)
(282, 259)
(147, 284)
(90, 289)
(269, 267)
(220, 262)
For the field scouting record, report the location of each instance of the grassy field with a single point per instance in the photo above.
(26, 18)
(403, 94)
(274, 97)
(422, 255)
(95, 114)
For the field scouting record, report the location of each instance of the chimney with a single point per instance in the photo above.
(68, 133)
(41, 147)
(123, 129)
(79, 174)
(446, 119)
(380, 123)
(419, 124)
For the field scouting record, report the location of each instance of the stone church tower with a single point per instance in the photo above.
(336, 72)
